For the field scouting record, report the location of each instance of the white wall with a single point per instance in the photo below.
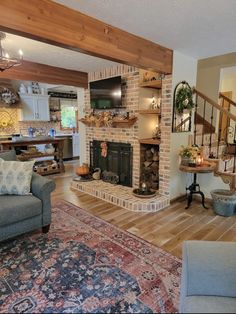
(184, 68)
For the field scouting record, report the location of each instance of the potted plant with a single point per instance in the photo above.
(188, 154)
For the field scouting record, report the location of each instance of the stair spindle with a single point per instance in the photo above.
(226, 139)
(234, 148)
(203, 124)
(219, 133)
(195, 121)
(210, 142)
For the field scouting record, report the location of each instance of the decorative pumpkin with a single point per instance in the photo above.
(82, 170)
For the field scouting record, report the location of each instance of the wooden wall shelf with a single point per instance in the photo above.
(150, 141)
(151, 84)
(149, 111)
(117, 123)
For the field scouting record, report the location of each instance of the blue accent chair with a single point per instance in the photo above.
(20, 214)
(208, 283)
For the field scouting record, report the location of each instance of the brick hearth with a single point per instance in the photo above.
(121, 196)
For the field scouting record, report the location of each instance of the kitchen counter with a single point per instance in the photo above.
(23, 141)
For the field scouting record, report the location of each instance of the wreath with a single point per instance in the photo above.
(183, 97)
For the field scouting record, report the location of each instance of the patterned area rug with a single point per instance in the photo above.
(85, 265)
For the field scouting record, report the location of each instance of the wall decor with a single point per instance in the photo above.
(182, 107)
(8, 96)
(5, 119)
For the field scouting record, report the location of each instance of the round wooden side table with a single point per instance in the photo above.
(194, 188)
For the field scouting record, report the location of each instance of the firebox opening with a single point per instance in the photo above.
(114, 159)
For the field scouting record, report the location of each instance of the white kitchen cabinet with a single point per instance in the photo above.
(35, 107)
(75, 145)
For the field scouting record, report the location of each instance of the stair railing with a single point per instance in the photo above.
(212, 115)
(184, 124)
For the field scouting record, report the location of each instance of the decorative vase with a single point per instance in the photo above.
(22, 89)
(185, 161)
(83, 170)
(97, 174)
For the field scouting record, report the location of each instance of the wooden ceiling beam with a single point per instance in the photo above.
(31, 71)
(58, 25)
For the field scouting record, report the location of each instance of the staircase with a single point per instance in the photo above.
(215, 133)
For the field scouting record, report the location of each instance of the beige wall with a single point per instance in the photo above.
(208, 73)
(228, 82)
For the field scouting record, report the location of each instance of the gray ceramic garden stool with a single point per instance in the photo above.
(224, 202)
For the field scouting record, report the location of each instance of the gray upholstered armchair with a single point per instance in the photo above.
(208, 282)
(20, 214)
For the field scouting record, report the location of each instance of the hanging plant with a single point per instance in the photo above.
(183, 97)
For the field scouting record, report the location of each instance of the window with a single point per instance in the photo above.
(68, 114)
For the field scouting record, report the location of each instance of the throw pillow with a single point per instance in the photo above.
(15, 177)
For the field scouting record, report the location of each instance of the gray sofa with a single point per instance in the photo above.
(20, 214)
(208, 283)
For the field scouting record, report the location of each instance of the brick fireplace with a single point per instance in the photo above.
(160, 164)
(130, 100)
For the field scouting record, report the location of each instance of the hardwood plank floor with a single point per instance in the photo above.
(167, 228)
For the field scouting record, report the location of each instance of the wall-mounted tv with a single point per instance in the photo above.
(106, 94)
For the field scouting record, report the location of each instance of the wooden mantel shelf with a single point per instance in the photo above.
(150, 141)
(149, 111)
(151, 84)
(116, 123)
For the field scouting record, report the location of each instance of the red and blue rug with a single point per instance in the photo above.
(86, 265)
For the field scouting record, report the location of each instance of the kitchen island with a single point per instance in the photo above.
(27, 154)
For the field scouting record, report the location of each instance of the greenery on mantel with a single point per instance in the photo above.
(183, 97)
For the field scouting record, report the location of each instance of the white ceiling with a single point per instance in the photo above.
(198, 28)
(43, 53)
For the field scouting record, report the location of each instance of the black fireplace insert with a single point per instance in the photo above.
(117, 159)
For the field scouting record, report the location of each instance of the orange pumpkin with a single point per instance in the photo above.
(82, 170)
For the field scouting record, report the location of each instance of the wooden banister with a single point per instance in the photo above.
(214, 104)
(227, 99)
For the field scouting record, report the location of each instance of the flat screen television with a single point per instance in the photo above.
(106, 94)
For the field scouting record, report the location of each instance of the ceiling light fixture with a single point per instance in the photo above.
(6, 62)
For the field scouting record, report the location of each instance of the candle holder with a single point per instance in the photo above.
(199, 160)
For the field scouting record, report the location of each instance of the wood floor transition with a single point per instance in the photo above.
(167, 228)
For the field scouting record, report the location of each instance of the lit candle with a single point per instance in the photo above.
(199, 160)
(144, 187)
